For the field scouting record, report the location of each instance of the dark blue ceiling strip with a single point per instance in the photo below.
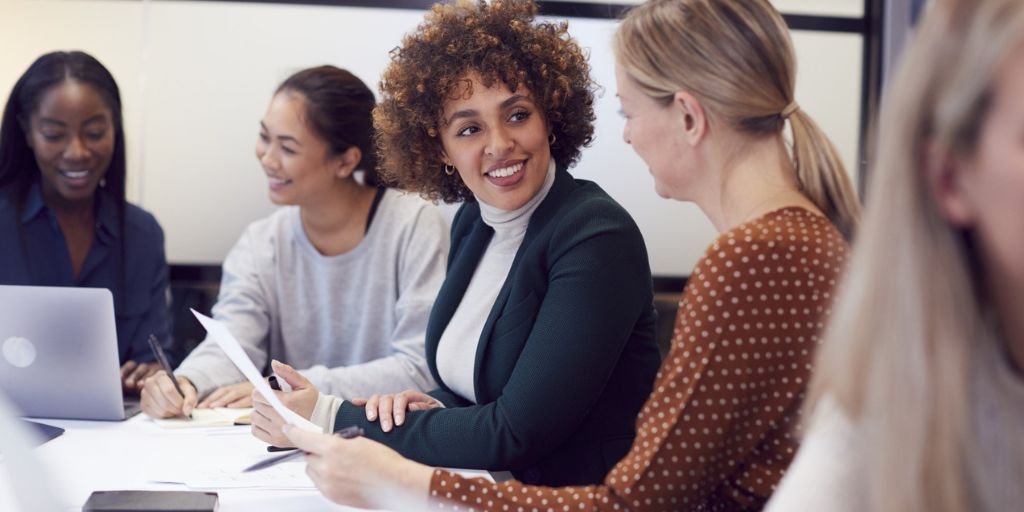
(597, 10)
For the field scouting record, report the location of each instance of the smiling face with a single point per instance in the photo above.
(497, 140)
(294, 158)
(71, 134)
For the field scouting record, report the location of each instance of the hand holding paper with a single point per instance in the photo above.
(219, 333)
(266, 423)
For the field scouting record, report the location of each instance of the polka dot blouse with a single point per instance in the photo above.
(716, 434)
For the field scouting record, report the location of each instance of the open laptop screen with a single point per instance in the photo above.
(58, 352)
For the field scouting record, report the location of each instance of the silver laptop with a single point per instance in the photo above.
(58, 352)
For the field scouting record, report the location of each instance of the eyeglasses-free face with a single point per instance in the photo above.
(71, 134)
(497, 140)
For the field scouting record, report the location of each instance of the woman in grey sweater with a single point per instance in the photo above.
(341, 280)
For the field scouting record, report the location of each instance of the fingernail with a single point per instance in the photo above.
(399, 420)
(371, 416)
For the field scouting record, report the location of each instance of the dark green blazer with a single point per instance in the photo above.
(566, 358)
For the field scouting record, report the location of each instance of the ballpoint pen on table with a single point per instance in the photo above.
(345, 433)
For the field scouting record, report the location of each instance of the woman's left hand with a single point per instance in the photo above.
(266, 423)
(362, 473)
(235, 396)
(134, 374)
(391, 409)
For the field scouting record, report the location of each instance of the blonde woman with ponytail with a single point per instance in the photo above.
(919, 390)
(706, 87)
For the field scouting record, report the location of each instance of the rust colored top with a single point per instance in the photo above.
(717, 432)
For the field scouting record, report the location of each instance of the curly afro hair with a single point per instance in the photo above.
(499, 41)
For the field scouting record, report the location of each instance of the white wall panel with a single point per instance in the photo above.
(202, 74)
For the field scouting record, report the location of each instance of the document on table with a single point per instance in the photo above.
(216, 417)
(226, 473)
(222, 336)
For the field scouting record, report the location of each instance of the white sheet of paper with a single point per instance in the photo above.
(224, 473)
(222, 336)
(219, 470)
(202, 418)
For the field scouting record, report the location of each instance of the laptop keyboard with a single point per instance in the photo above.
(132, 406)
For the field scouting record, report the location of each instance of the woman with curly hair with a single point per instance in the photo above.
(707, 89)
(542, 335)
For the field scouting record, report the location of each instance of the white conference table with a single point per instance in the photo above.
(138, 454)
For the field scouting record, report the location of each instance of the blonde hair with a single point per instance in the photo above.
(737, 58)
(910, 312)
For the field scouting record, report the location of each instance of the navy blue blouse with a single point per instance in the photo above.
(141, 297)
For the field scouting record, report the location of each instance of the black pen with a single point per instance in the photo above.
(276, 386)
(161, 358)
(345, 433)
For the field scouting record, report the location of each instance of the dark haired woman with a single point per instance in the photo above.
(706, 88)
(542, 336)
(339, 282)
(64, 219)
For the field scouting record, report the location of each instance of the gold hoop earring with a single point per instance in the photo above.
(449, 169)
(552, 139)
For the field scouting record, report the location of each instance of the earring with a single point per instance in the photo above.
(103, 182)
(449, 169)
(551, 139)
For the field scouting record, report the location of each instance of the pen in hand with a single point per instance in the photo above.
(345, 433)
(276, 386)
(161, 358)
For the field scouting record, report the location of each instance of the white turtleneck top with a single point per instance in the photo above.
(456, 351)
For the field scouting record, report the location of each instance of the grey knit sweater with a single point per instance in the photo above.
(353, 323)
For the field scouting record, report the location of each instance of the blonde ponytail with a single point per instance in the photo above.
(821, 174)
(737, 57)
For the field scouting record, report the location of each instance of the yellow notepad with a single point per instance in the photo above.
(216, 417)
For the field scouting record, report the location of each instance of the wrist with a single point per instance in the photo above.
(325, 411)
(415, 478)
